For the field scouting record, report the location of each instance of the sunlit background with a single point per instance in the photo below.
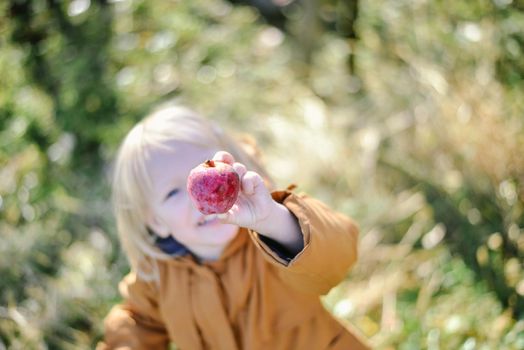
(406, 115)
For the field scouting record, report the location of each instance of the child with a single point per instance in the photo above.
(247, 279)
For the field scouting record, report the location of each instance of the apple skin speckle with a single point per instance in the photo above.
(213, 187)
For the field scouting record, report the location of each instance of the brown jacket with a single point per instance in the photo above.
(250, 298)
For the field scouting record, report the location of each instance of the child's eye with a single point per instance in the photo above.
(172, 192)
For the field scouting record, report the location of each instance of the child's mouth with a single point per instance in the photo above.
(208, 220)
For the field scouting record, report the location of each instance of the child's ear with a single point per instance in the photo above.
(157, 226)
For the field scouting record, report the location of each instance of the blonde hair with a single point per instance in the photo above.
(132, 183)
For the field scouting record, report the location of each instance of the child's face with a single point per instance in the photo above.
(172, 212)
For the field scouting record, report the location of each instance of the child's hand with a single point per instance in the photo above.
(255, 209)
(254, 204)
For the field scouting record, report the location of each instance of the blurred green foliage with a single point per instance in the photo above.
(405, 115)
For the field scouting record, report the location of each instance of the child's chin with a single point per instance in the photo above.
(221, 232)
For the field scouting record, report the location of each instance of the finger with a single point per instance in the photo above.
(250, 182)
(229, 216)
(240, 169)
(225, 157)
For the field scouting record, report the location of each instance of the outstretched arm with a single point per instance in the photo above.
(330, 245)
(319, 244)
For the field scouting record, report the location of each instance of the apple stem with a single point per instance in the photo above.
(210, 163)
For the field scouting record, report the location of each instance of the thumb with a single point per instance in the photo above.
(231, 216)
(227, 217)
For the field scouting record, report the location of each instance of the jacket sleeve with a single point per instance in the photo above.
(330, 245)
(136, 323)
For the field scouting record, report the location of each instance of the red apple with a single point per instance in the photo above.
(213, 187)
